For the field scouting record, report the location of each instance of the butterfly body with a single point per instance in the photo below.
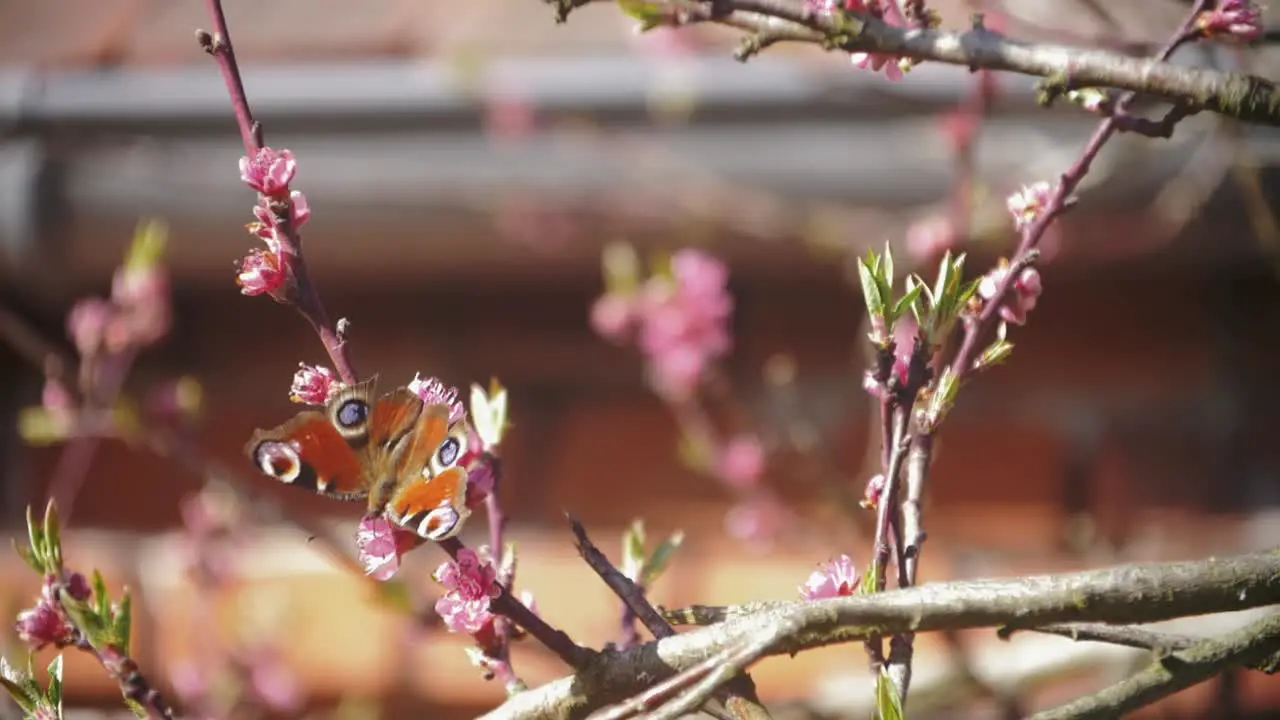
(397, 453)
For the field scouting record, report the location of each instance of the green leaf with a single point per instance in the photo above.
(27, 556)
(888, 702)
(870, 581)
(907, 301)
(35, 536)
(102, 604)
(650, 14)
(633, 553)
(662, 556)
(20, 686)
(84, 617)
(888, 269)
(997, 352)
(123, 623)
(136, 708)
(55, 684)
(53, 536)
(870, 289)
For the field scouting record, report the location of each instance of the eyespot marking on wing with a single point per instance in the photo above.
(436, 525)
(279, 460)
(448, 454)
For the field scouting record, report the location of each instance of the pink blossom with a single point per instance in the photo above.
(835, 578)
(269, 172)
(381, 545)
(1022, 296)
(481, 479)
(875, 490)
(684, 320)
(56, 397)
(87, 323)
(613, 315)
(758, 521)
(46, 623)
(313, 384)
(1236, 20)
(470, 584)
(274, 683)
(741, 461)
(434, 392)
(261, 271)
(1029, 203)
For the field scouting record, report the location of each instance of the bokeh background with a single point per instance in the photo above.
(466, 163)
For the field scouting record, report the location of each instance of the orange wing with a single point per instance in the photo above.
(430, 496)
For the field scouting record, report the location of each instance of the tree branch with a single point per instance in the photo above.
(1245, 97)
(1177, 671)
(1126, 594)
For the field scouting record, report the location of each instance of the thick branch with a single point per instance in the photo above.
(1248, 98)
(1180, 670)
(1126, 594)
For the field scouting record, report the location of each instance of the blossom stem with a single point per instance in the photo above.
(555, 640)
(1058, 202)
(501, 654)
(219, 46)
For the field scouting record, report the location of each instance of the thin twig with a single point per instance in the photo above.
(631, 594)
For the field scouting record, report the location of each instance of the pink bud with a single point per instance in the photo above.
(742, 461)
(612, 316)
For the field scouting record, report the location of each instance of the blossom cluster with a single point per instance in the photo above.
(271, 172)
(678, 319)
(47, 623)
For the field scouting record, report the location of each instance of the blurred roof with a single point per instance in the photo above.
(486, 119)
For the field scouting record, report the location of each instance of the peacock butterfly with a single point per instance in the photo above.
(399, 454)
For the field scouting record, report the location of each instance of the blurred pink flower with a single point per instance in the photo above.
(1022, 296)
(1236, 20)
(56, 397)
(434, 392)
(684, 320)
(274, 683)
(928, 238)
(756, 521)
(381, 545)
(613, 315)
(835, 578)
(313, 384)
(471, 584)
(269, 172)
(741, 461)
(87, 323)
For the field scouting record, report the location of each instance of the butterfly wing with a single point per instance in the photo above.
(309, 452)
(430, 496)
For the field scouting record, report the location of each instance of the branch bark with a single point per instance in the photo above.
(1242, 96)
(1180, 670)
(1126, 594)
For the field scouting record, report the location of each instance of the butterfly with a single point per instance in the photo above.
(398, 453)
